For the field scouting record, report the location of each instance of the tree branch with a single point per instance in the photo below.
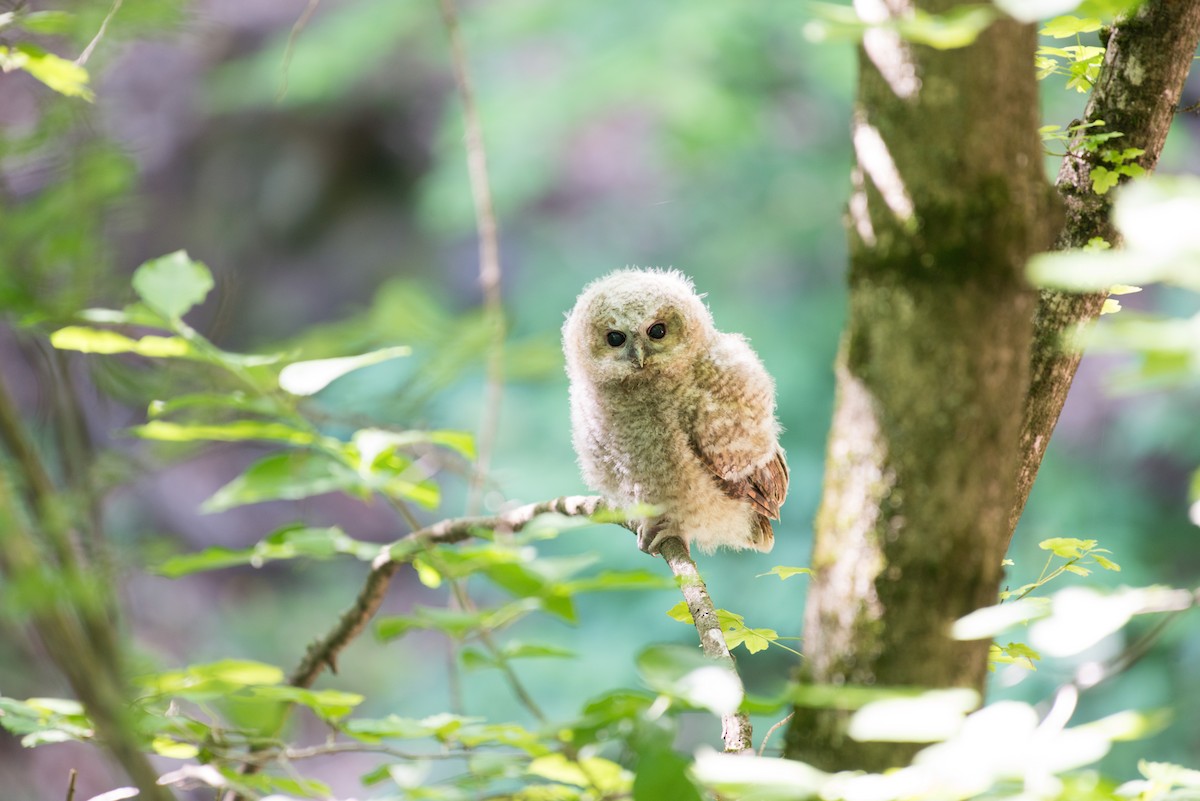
(736, 730)
(324, 652)
(1145, 65)
(735, 727)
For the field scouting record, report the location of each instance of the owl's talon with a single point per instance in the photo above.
(651, 534)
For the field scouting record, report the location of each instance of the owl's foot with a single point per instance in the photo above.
(652, 532)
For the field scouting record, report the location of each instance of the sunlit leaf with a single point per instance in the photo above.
(956, 28)
(213, 679)
(1066, 547)
(986, 623)
(686, 674)
(310, 377)
(393, 727)
(235, 431)
(603, 775)
(96, 340)
(1068, 26)
(846, 696)
(65, 77)
(929, 717)
(1080, 618)
(172, 284)
(173, 749)
(786, 572)
(372, 442)
(749, 776)
(1170, 775)
(1013, 653)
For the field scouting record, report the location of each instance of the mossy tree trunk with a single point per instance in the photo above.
(930, 455)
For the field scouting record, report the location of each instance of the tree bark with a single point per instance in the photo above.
(949, 203)
(1146, 62)
(947, 388)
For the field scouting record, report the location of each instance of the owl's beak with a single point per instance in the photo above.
(636, 354)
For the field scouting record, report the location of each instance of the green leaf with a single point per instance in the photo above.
(786, 572)
(373, 442)
(235, 431)
(172, 284)
(289, 542)
(65, 77)
(986, 623)
(615, 580)
(211, 680)
(474, 659)
(444, 727)
(1105, 563)
(956, 28)
(932, 716)
(173, 749)
(327, 704)
(48, 23)
(1169, 774)
(746, 776)
(426, 573)
(680, 612)
(1068, 26)
(1014, 653)
(1103, 179)
(39, 721)
(95, 340)
(455, 623)
(1067, 547)
(209, 401)
(689, 676)
(310, 377)
(603, 775)
(661, 772)
(846, 696)
(754, 640)
(288, 476)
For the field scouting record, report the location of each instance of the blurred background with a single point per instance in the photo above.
(319, 172)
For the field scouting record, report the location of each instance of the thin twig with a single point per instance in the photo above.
(312, 752)
(71, 785)
(763, 745)
(485, 637)
(323, 653)
(87, 51)
(489, 256)
(293, 35)
(735, 727)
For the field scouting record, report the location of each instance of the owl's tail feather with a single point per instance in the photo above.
(762, 537)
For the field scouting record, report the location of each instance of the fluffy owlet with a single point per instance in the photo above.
(669, 411)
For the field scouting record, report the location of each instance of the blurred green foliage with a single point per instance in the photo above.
(710, 137)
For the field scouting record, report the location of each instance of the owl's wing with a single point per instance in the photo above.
(734, 432)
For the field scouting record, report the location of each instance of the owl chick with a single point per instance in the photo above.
(667, 410)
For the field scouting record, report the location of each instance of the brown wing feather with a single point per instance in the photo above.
(765, 488)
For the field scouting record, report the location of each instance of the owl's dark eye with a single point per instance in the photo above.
(615, 338)
(657, 331)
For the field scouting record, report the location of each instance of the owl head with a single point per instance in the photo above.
(636, 324)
